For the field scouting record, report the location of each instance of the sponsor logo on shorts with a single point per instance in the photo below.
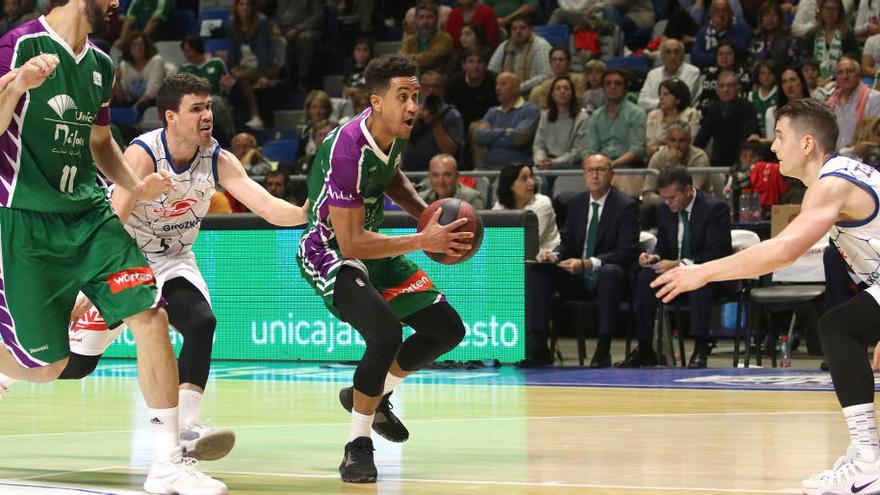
(419, 282)
(178, 208)
(92, 320)
(132, 277)
(39, 349)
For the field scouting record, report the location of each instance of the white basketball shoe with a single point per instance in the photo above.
(848, 476)
(206, 444)
(181, 476)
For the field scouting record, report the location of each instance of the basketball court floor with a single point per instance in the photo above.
(554, 431)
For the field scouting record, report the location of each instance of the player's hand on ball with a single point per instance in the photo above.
(32, 74)
(438, 238)
(154, 185)
(676, 281)
(80, 308)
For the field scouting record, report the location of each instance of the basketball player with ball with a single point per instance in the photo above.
(362, 275)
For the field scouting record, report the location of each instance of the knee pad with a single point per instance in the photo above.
(79, 366)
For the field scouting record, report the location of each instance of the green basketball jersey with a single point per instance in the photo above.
(212, 70)
(349, 171)
(46, 164)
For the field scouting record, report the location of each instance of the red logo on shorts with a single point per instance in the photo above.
(177, 208)
(126, 279)
(419, 282)
(92, 320)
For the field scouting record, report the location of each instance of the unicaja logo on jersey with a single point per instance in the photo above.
(126, 279)
(177, 208)
(61, 104)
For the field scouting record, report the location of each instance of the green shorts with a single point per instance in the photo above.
(400, 281)
(46, 258)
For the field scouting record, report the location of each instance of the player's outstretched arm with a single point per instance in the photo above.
(146, 185)
(357, 242)
(403, 193)
(823, 205)
(274, 210)
(17, 81)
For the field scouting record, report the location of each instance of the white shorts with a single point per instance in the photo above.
(89, 336)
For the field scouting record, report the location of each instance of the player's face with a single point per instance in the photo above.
(195, 118)
(788, 147)
(398, 106)
(97, 13)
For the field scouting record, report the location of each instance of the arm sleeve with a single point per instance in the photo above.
(262, 46)
(576, 146)
(861, 25)
(539, 149)
(497, 58)
(718, 242)
(108, 78)
(487, 136)
(636, 137)
(699, 56)
(160, 9)
(540, 65)
(315, 20)
(343, 189)
(648, 98)
(155, 73)
(627, 246)
(592, 142)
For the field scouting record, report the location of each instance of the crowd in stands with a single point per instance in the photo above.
(522, 88)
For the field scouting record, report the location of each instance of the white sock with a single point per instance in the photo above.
(361, 425)
(391, 381)
(6, 381)
(862, 422)
(166, 437)
(190, 406)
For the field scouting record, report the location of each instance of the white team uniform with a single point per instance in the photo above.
(859, 242)
(164, 229)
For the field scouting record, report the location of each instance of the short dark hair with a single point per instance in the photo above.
(175, 87)
(679, 90)
(522, 18)
(278, 172)
(476, 51)
(619, 72)
(562, 49)
(677, 175)
(811, 116)
(380, 71)
(193, 41)
(428, 5)
(506, 179)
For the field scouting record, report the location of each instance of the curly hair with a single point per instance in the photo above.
(380, 71)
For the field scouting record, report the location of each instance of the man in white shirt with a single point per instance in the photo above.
(674, 67)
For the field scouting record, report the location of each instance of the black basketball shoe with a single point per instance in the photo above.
(357, 464)
(385, 423)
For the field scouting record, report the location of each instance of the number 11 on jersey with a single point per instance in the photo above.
(67, 177)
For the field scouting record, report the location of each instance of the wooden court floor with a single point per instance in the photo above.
(465, 439)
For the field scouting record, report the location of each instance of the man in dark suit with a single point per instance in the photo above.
(599, 246)
(692, 228)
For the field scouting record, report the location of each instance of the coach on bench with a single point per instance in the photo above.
(599, 245)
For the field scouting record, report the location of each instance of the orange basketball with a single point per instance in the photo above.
(451, 210)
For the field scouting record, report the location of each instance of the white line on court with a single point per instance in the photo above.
(457, 420)
(551, 484)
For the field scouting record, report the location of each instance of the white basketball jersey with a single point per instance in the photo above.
(169, 226)
(859, 242)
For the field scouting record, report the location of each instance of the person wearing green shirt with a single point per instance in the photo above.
(506, 10)
(153, 18)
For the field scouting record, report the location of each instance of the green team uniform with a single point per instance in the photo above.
(213, 69)
(58, 234)
(350, 171)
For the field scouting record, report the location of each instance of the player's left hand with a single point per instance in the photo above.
(154, 185)
(9, 76)
(682, 279)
